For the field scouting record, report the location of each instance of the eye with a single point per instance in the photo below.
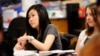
(32, 15)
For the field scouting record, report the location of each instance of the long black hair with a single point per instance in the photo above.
(43, 21)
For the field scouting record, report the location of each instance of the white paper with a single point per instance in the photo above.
(25, 53)
(45, 53)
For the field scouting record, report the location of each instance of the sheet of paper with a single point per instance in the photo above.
(45, 53)
(25, 53)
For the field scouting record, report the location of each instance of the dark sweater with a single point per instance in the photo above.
(5, 49)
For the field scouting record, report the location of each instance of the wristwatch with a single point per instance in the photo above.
(30, 39)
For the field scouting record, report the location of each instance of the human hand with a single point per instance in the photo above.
(18, 46)
(22, 40)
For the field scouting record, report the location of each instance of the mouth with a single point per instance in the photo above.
(89, 21)
(32, 22)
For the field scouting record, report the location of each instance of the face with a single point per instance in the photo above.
(33, 18)
(89, 18)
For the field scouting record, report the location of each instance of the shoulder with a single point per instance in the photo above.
(82, 34)
(51, 26)
(83, 31)
(51, 29)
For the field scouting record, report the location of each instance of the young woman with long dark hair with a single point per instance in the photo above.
(40, 33)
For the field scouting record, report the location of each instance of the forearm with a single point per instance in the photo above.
(43, 46)
(77, 49)
(39, 45)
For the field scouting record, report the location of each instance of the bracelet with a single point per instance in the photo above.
(30, 39)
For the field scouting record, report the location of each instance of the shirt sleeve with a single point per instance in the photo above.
(52, 30)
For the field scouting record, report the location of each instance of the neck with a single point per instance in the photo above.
(39, 32)
(96, 30)
(38, 29)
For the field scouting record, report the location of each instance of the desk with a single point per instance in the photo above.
(57, 53)
(45, 53)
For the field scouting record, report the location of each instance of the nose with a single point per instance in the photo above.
(30, 19)
(88, 17)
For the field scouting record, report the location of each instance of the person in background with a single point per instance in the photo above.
(40, 33)
(5, 47)
(91, 27)
(92, 47)
(17, 28)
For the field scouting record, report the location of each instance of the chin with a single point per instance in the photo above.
(33, 27)
(91, 26)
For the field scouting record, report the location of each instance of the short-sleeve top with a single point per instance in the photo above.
(6, 49)
(51, 29)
